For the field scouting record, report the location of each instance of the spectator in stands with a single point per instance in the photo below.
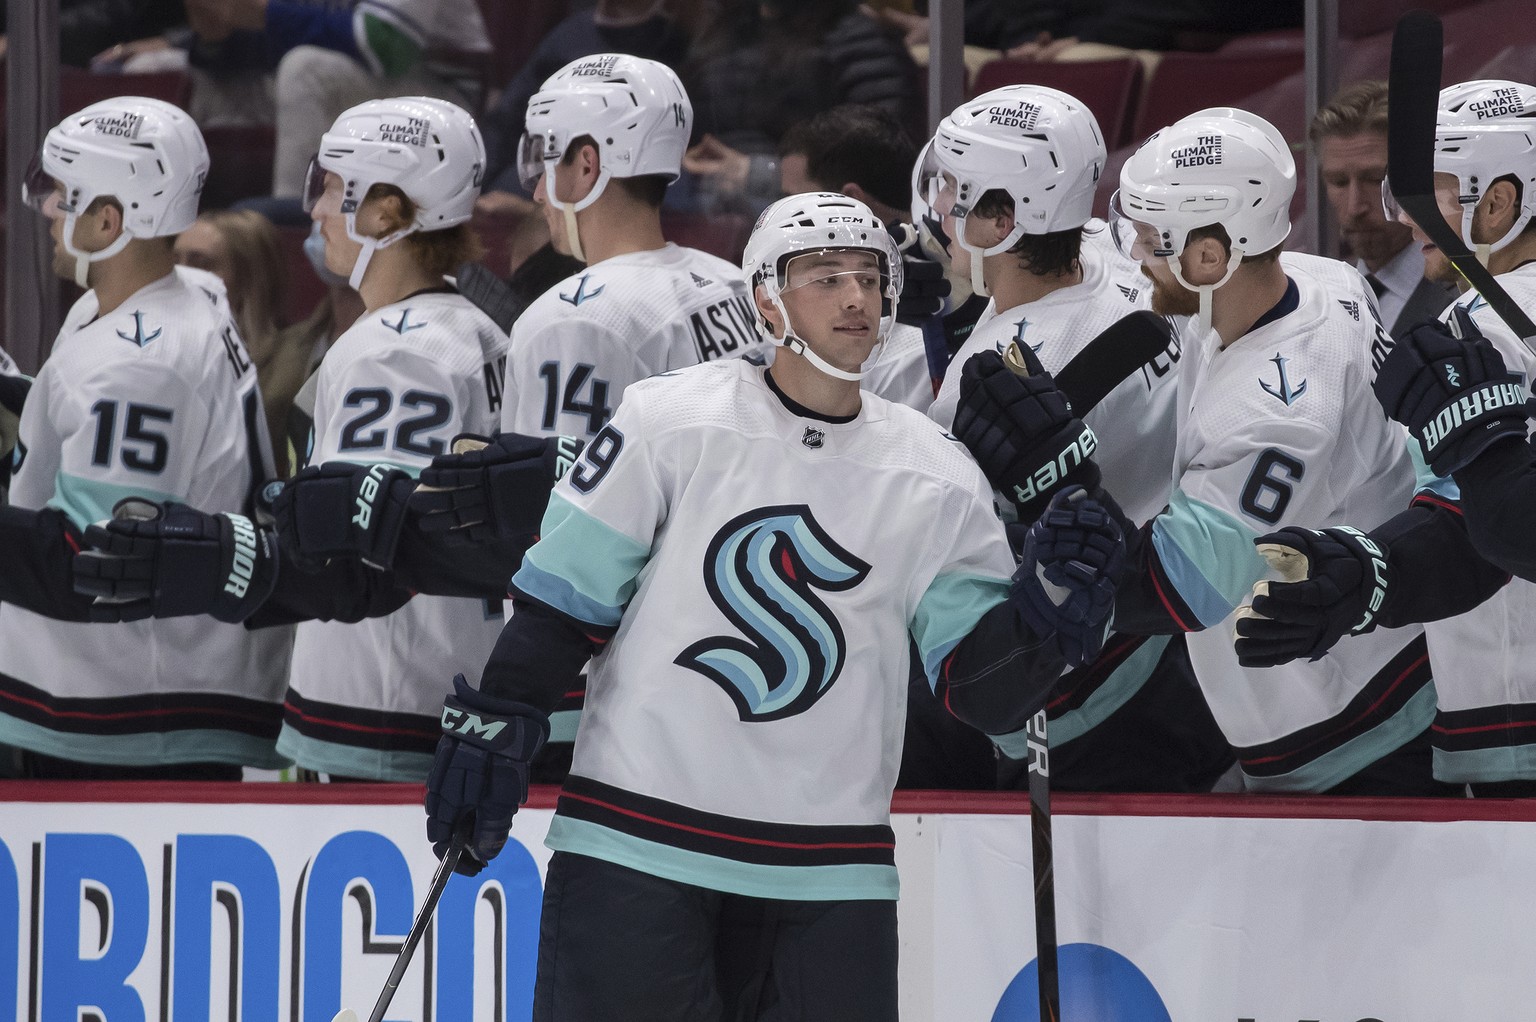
(764, 67)
(330, 56)
(1350, 138)
(240, 247)
(88, 27)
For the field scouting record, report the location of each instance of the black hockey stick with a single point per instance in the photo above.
(490, 294)
(1413, 91)
(419, 927)
(1105, 362)
(1043, 859)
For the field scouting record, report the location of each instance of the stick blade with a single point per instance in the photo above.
(1105, 362)
(345, 1015)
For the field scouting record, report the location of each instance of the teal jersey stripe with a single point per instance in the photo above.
(147, 749)
(947, 613)
(1125, 681)
(1425, 480)
(1208, 555)
(853, 882)
(87, 501)
(563, 725)
(581, 567)
(1476, 766)
(352, 761)
(1340, 764)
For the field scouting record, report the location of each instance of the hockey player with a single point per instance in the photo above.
(1420, 566)
(1273, 428)
(150, 391)
(1012, 173)
(14, 385)
(722, 847)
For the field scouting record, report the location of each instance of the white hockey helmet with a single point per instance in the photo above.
(818, 222)
(1039, 145)
(145, 153)
(1218, 166)
(635, 110)
(428, 148)
(1485, 130)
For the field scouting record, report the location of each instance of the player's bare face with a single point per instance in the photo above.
(341, 251)
(1353, 167)
(1169, 297)
(833, 301)
(1436, 266)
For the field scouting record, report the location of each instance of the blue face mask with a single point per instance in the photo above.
(314, 251)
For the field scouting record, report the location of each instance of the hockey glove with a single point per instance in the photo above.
(491, 487)
(1450, 387)
(480, 771)
(923, 287)
(1337, 581)
(1022, 432)
(1069, 568)
(170, 560)
(339, 509)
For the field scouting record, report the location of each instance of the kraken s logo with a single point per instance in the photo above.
(762, 570)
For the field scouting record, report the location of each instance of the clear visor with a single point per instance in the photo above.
(1389, 206)
(533, 150)
(314, 184)
(935, 189)
(44, 193)
(1133, 238)
(833, 269)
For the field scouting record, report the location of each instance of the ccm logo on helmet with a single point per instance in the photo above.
(845, 220)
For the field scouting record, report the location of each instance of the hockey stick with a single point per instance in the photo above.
(423, 917)
(1414, 100)
(1105, 362)
(490, 294)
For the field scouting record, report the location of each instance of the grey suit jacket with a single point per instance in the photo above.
(1428, 301)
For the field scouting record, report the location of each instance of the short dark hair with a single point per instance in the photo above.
(650, 189)
(862, 144)
(1047, 255)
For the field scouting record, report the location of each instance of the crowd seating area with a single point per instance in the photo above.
(1131, 96)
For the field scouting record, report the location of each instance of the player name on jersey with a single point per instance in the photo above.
(724, 329)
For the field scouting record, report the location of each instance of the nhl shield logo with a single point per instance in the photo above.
(813, 437)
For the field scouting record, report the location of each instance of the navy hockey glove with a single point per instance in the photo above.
(480, 771)
(1450, 387)
(491, 487)
(339, 509)
(1336, 583)
(170, 560)
(1022, 432)
(1068, 571)
(923, 289)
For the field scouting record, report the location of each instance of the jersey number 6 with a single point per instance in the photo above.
(1265, 497)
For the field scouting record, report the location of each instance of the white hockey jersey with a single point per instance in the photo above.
(743, 726)
(1485, 659)
(898, 371)
(582, 342)
(1135, 421)
(155, 399)
(364, 699)
(1280, 428)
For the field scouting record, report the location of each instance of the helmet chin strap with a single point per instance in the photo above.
(793, 342)
(570, 209)
(83, 260)
(1206, 291)
(370, 246)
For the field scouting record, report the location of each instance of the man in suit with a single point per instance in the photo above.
(1350, 137)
